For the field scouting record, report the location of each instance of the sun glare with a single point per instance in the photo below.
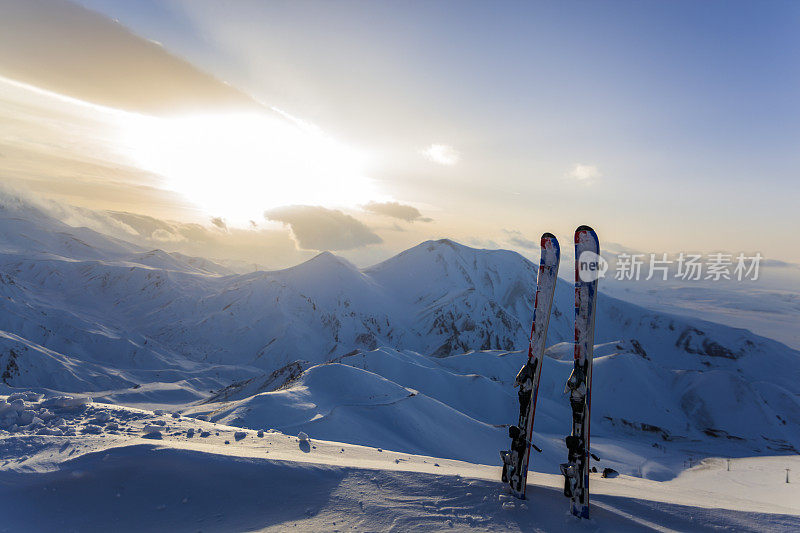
(238, 165)
(442, 154)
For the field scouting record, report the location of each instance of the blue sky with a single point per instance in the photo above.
(686, 113)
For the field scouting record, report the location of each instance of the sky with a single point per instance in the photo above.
(667, 126)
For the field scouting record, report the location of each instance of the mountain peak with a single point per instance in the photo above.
(322, 264)
(330, 258)
(325, 256)
(432, 244)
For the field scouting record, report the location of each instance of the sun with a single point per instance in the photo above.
(237, 165)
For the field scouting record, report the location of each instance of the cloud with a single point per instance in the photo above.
(162, 235)
(242, 250)
(396, 210)
(517, 238)
(117, 68)
(23, 200)
(220, 223)
(442, 153)
(585, 173)
(318, 228)
(488, 244)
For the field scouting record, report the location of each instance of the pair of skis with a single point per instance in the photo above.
(516, 460)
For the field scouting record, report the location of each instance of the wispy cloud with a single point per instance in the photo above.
(319, 228)
(478, 242)
(162, 235)
(585, 173)
(117, 68)
(396, 210)
(442, 154)
(241, 249)
(516, 238)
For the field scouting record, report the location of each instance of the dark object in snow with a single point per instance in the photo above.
(610, 473)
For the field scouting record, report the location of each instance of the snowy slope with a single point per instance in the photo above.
(432, 406)
(135, 470)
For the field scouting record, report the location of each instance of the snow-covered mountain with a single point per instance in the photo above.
(85, 313)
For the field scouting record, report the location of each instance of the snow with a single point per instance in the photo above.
(186, 482)
(143, 390)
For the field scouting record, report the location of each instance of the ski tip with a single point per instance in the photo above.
(553, 241)
(586, 230)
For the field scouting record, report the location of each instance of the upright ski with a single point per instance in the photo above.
(579, 384)
(515, 460)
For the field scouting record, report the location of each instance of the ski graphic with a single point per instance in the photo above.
(516, 460)
(579, 384)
